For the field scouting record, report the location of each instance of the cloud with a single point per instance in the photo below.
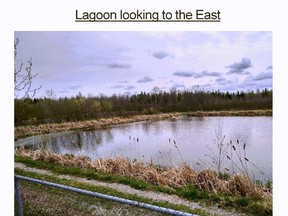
(269, 67)
(117, 86)
(123, 81)
(178, 85)
(196, 75)
(75, 87)
(223, 81)
(184, 73)
(240, 67)
(259, 81)
(118, 65)
(62, 91)
(160, 54)
(129, 87)
(206, 73)
(145, 79)
(263, 76)
(204, 86)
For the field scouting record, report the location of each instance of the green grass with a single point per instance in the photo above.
(250, 205)
(53, 201)
(101, 189)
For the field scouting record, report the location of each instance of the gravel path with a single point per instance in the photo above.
(213, 210)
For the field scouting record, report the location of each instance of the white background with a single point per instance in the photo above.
(59, 15)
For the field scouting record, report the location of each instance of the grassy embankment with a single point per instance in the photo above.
(234, 191)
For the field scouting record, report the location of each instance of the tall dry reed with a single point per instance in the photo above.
(207, 180)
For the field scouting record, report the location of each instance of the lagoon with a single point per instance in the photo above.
(172, 142)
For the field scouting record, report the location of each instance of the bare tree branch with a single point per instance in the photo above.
(23, 79)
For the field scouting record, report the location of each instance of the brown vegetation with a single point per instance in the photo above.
(207, 180)
(267, 112)
(91, 124)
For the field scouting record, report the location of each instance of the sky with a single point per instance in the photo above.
(121, 62)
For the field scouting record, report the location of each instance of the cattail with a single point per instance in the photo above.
(226, 169)
(198, 163)
(234, 148)
(174, 141)
(237, 141)
(244, 146)
(228, 157)
(246, 159)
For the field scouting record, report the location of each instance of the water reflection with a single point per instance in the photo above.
(174, 141)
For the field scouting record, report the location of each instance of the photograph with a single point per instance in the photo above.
(143, 122)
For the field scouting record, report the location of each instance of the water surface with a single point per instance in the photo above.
(171, 142)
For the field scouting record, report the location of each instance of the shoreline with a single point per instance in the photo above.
(31, 130)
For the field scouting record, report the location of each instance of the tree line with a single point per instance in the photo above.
(51, 109)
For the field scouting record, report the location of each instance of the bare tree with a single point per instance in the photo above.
(23, 78)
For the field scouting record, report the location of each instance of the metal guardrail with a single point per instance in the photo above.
(91, 193)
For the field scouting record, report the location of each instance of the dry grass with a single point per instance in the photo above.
(92, 124)
(267, 112)
(206, 180)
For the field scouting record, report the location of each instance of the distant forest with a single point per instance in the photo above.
(53, 110)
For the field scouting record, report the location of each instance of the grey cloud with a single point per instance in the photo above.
(178, 85)
(206, 85)
(118, 65)
(160, 54)
(265, 85)
(240, 67)
(246, 73)
(74, 87)
(62, 91)
(129, 87)
(196, 75)
(223, 81)
(250, 84)
(123, 81)
(145, 79)
(263, 76)
(184, 73)
(206, 73)
(117, 86)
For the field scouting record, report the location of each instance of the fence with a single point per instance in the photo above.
(18, 198)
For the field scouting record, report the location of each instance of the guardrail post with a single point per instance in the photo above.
(18, 196)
